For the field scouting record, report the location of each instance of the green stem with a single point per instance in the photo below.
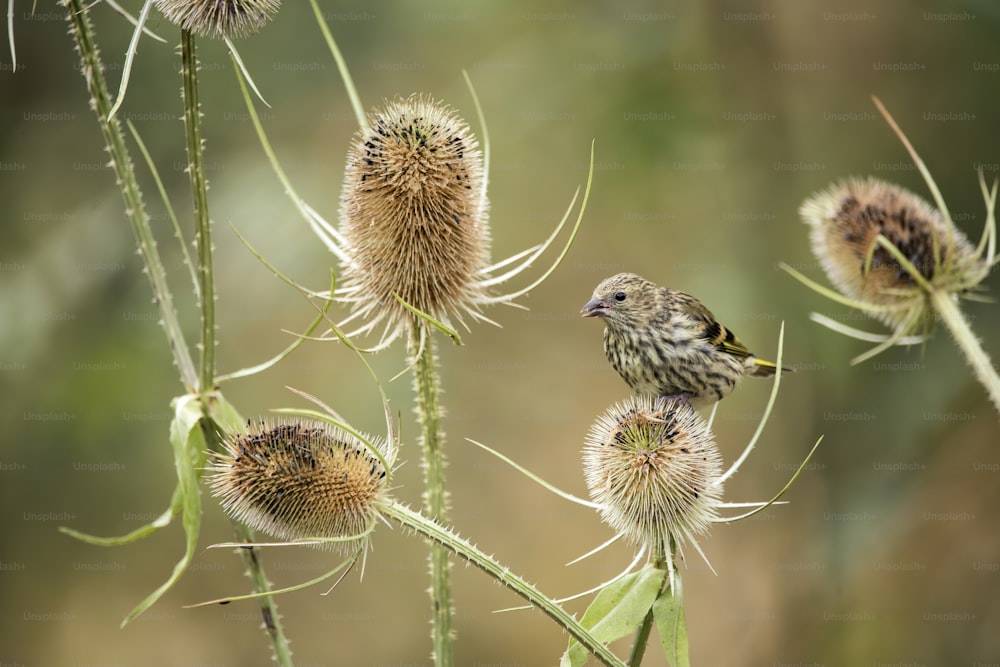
(199, 190)
(947, 309)
(206, 288)
(460, 547)
(435, 496)
(268, 608)
(641, 640)
(93, 71)
(114, 139)
(642, 634)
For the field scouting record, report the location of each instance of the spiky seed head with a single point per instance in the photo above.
(298, 479)
(653, 466)
(219, 18)
(845, 221)
(414, 213)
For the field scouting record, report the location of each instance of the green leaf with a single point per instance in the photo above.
(188, 442)
(224, 414)
(137, 534)
(347, 562)
(617, 610)
(430, 319)
(668, 613)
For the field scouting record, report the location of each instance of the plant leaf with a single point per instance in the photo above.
(137, 534)
(133, 47)
(668, 614)
(430, 319)
(290, 589)
(617, 610)
(224, 414)
(188, 442)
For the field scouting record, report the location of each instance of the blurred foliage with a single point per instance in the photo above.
(712, 124)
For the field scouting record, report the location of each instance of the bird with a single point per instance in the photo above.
(666, 343)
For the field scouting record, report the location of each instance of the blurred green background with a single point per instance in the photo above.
(712, 122)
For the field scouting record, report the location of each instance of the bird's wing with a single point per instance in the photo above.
(716, 334)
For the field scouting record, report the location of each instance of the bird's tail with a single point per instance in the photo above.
(766, 369)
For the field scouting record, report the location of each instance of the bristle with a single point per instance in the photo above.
(652, 465)
(413, 212)
(219, 18)
(846, 221)
(298, 479)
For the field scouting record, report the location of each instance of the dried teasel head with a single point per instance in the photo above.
(893, 255)
(414, 215)
(299, 479)
(219, 18)
(653, 467)
(883, 245)
(413, 239)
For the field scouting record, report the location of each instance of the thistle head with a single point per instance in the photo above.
(414, 215)
(219, 18)
(653, 467)
(884, 246)
(299, 479)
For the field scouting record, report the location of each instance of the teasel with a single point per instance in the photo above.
(306, 482)
(901, 260)
(653, 467)
(300, 479)
(414, 247)
(414, 237)
(888, 250)
(654, 472)
(219, 18)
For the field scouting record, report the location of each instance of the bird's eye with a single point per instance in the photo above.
(620, 296)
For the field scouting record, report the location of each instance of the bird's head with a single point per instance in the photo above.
(623, 300)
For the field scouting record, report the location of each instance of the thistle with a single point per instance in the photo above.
(414, 215)
(901, 260)
(888, 249)
(219, 18)
(653, 468)
(296, 480)
(414, 236)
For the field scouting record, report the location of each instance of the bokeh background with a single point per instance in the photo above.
(712, 123)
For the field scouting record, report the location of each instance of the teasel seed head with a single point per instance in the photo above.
(414, 215)
(653, 467)
(219, 18)
(846, 221)
(299, 479)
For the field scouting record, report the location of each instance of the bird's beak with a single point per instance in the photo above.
(594, 308)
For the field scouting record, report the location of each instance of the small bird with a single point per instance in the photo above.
(667, 343)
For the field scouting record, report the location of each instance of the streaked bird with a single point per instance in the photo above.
(667, 343)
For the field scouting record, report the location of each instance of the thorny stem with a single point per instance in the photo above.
(100, 102)
(642, 634)
(641, 639)
(268, 608)
(206, 286)
(199, 190)
(463, 548)
(435, 497)
(947, 309)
